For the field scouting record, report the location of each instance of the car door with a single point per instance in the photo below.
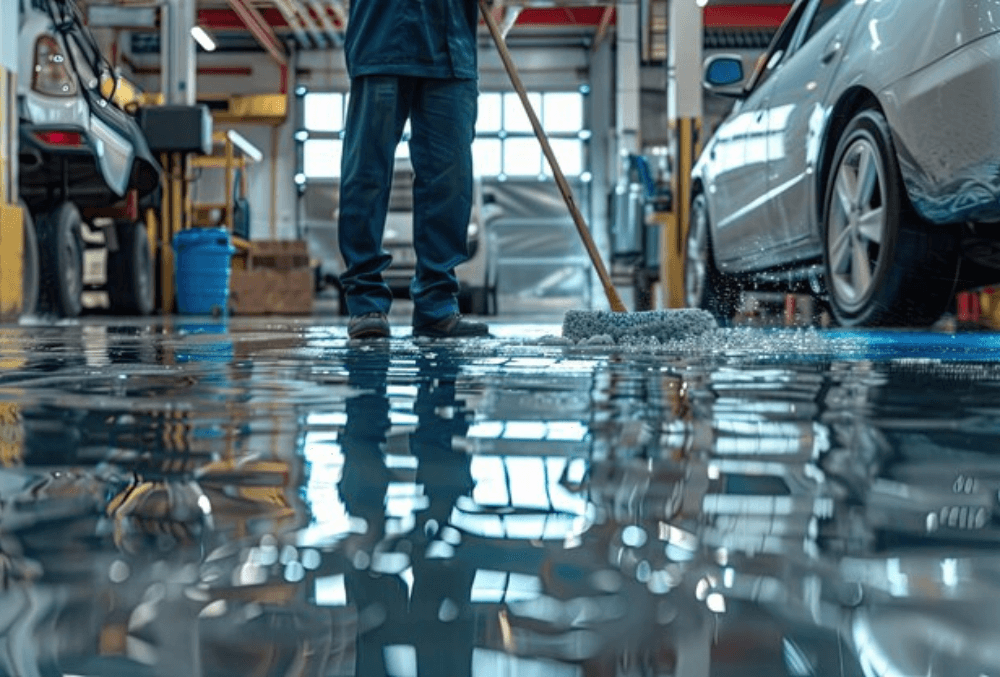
(797, 96)
(738, 159)
(738, 193)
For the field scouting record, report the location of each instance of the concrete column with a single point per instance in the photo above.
(627, 104)
(684, 60)
(684, 98)
(8, 35)
(603, 151)
(177, 53)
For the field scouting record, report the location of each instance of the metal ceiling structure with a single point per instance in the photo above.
(320, 24)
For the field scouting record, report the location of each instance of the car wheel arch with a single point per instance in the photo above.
(850, 103)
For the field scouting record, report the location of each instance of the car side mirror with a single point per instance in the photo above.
(724, 75)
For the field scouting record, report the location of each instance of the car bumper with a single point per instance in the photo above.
(45, 168)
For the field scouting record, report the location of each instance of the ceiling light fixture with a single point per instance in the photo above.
(202, 37)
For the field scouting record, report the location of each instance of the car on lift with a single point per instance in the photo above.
(78, 151)
(859, 161)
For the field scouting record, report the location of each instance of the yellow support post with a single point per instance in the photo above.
(674, 241)
(11, 217)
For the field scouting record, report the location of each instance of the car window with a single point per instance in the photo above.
(775, 54)
(826, 10)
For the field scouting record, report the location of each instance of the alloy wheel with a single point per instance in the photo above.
(857, 222)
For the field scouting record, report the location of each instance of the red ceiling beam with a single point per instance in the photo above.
(716, 16)
(745, 16)
(227, 19)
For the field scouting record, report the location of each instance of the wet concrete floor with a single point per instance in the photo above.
(263, 497)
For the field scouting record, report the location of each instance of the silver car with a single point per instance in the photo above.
(861, 159)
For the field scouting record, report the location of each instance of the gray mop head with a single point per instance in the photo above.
(664, 325)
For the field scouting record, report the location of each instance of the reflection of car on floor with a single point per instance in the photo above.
(78, 150)
(857, 160)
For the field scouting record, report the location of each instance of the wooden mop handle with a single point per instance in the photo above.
(581, 226)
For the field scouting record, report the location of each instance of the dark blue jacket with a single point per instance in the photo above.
(423, 38)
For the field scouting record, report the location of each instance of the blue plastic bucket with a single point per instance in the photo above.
(202, 263)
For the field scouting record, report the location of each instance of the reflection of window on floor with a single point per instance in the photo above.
(505, 144)
(541, 506)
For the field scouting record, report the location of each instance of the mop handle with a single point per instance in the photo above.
(581, 226)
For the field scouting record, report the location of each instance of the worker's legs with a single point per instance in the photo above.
(378, 109)
(443, 120)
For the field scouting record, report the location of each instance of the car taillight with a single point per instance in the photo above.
(51, 75)
(52, 138)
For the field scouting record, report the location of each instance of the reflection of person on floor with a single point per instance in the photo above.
(430, 620)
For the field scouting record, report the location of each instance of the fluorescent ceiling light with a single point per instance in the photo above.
(203, 38)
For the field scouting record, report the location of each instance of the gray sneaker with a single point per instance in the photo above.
(369, 325)
(453, 326)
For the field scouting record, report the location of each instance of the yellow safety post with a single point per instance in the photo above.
(11, 218)
(674, 242)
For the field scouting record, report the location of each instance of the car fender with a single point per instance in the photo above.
(934, 68)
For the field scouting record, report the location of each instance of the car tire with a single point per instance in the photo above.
(30, 282)
(704, 285)
(130, 271)
(883, 264)
(60, 255)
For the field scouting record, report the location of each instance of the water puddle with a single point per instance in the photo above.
(273, 500)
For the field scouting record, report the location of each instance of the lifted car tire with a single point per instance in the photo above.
(29, 271)
(883, 265)
(60, 256)
(704, 285)
(130, 271)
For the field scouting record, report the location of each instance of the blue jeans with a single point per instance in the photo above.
(442, 117)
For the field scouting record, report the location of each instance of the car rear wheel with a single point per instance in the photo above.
(61, 261)
(130, 271)
(704, 285)
(884, 266)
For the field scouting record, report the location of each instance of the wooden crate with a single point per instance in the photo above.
(276, 280)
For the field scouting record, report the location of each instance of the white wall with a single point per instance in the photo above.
(8, 34)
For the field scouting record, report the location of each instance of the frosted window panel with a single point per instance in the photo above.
(569, 154)
(403, 150)
(515, 119)
(487, 157)
(563, 112)
(324, 112)
(522, 157)
(321, 158)
(490, 118)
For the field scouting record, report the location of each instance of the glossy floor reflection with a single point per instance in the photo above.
(267, 498)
